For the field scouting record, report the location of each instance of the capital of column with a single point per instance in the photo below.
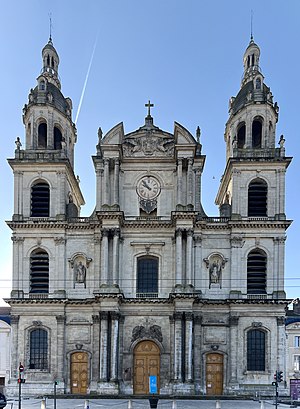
(96, 319)
(190, 232)
(106, 161)
(178, 232)
(17, 239)
(189, 316)
(14, 319)
(190, 162)
(60, 319)
(103, 315)
(179, 161)
(115, 315)
(198, 319)
(116, 232)
(105, 232)
(178, 316)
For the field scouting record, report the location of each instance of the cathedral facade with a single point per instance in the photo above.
(148, 285)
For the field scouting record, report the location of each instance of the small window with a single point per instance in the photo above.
(39, 272)
(42, 136)
(42, 85)
(57, 138)
(38, 349)
(257, 198)
(256, 272)
(258, 83)
(297, 341)
(147, 275)
(241, 135)
(256, 134)
(256, 346)
(296, 362)
(40, 200)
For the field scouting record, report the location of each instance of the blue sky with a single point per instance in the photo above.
(184, 55)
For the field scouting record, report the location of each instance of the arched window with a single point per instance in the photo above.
(42, 85)
(256, 272)
(40, 200)
(38, 349)
(52, 62)
(258, 83)
(48, 59)
(42, 136)
(147, 276)
(241, 134)
(256, 133)
(257, 198)
(57, 138)
(39, 272)
(256, 350)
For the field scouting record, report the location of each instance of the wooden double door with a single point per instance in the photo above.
(214, 374)
(146, 363)
(79, 372)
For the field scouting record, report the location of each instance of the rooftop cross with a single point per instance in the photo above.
(149, 105)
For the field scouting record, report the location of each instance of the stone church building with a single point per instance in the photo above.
(149, 284)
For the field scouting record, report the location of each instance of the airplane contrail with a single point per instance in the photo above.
(86, 79)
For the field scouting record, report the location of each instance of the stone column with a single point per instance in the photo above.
(190, 198)
(279, 247)
(106, 182)
(115, 260)
(178, 256)
(172, 347)
(116, 181)
(233, 344)
(15, 359)
(103, 346)
(96, 353)
(237, 199)
(18, 267)
(178, 347)
(199, 279)
(18, 193)
(104, 270)
(188, 347)
(179, 181)
(99, 189)
(60, 348)
(197, 189)
(198, 362)
(281, 343)
(189, 257)
(114, 352)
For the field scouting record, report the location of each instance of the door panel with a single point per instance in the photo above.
(214, 374)
(146, 363)
(79, 373)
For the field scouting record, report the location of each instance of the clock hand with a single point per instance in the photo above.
(146, 185)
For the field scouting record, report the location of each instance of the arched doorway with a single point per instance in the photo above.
(79, 372)
(214, 374)
(146, 363)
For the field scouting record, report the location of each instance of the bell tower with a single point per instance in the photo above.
(253, 183)
(45, 184)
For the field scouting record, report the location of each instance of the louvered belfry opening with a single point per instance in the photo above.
(241, 136)
(57, 138)
(39, 272)
(40, 200)
(256, 272)
(256, 134)
(257, 198)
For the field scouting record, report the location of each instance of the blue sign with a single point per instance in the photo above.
(152, 384)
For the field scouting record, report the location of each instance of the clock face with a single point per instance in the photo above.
(148, 187)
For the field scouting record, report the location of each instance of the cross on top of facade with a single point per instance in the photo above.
(149, 105)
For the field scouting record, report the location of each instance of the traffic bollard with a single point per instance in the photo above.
(129, 404)
(218, 404)
(43, 404)
(174, 405)
(86, 404)
(262, 404)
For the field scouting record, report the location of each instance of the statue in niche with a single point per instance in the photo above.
(215, 272)
(80, 272)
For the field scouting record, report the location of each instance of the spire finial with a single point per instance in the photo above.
(251, 26)
(50, 28)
